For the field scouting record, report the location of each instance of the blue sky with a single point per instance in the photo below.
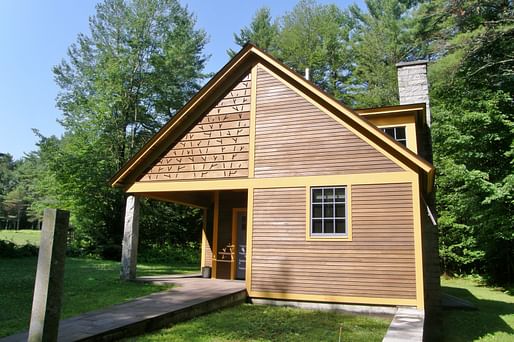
(35, 35)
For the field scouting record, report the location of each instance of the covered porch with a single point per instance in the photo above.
(224, 235)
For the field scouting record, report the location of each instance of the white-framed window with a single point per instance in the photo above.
(398, 133)
(328, 211)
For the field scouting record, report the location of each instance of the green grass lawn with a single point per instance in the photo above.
(89, 284)
(494, 319)
(266, 323)
(21, 237)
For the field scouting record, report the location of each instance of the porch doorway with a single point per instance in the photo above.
(224, 241)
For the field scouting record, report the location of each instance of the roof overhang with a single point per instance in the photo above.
(416, 109)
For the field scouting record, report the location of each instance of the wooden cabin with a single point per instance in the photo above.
(303, 198)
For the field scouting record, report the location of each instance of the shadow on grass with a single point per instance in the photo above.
(149, 269)
(465, 325)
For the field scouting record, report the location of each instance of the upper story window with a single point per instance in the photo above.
(328, 211)
(398, 134)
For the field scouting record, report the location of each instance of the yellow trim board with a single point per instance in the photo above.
(418, 244)
(249, 236)
(391, 110)
(348, 218)
(253, 111)
(394, 120)
(332, 299)
(275, 182)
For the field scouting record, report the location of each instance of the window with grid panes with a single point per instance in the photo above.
(397, 133)
(328, 211)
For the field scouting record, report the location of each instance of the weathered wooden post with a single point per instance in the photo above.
(130, 239)
(46, 305)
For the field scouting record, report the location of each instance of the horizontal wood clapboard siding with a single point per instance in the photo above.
(378, 262)
(294, 138)
(216, 147)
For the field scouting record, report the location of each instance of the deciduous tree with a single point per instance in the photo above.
(141, 62)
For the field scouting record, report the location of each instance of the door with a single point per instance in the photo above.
(241, 245)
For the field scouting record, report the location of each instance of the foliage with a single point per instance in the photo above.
(262, 32)
(89, 284)
(266, 323)
(12, 203)
(178, 254)
(383, 37)
(140, 63)
(9, 249)
(21, 237)
(181, 226)
(7, 177)
(492, 321)
(473, 134)
(311, 36)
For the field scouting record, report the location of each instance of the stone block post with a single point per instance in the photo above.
(130, 239)
(46, 305)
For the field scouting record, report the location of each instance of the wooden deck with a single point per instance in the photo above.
(192, 296)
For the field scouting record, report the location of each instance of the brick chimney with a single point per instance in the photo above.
(413, 84)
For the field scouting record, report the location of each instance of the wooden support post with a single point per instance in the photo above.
(130, 239)
(48, 288)
(215, 235)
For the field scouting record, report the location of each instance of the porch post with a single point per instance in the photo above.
(130, 239)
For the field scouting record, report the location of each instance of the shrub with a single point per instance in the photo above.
(187, 254)
(11, 250)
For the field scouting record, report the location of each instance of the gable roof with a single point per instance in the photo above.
(212, 92)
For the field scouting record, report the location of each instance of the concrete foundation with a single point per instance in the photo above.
(348, 308)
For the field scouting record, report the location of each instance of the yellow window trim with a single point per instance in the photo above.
(348, 200)
(410, 134)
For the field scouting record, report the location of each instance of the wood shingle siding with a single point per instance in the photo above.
(216, 147)
(295, 138)
(378, 262)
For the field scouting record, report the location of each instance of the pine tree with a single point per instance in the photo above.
(383, 38)
(262, 32)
